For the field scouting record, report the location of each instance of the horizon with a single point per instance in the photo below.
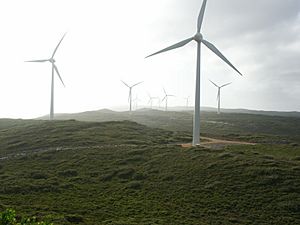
(124, 109)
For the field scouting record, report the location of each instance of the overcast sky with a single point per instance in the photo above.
(107, 41)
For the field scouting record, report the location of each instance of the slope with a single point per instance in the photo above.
(240, 126)
(126, 173)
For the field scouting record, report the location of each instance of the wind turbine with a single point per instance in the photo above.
(130, 93)
(159, 102)
(187, 101)
(219, 94)
(136, 100)
(54, 68)
(199, 39)
(166, 98)
(151, 100)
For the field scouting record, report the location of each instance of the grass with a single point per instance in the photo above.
(154, 185)
(238, 126)
(25, 135)
(126, 173)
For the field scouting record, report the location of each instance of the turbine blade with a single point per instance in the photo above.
(125, 84)
(177, 45)
(164, 98)
(218, 95)
(42, 60)
(201, 15)
(57, 46)
(137, 84)
(226, 84)
(165, 91)
(213, 83)
(55, 67)
(218, 53)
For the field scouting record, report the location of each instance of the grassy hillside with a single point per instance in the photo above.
(256, 112)
(25, 135)
(259, 128)
(127, 173)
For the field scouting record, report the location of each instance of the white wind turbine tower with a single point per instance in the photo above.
(54, 68)
(199, 39)
(166, 98)
(219, 94)
(130, 93)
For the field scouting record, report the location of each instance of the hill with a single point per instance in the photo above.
(225, 110)
(26, 135)
(262, 112)
(126, 173)
(240, 126)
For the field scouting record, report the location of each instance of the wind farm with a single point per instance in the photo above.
(122, 144)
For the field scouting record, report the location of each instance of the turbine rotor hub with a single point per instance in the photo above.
(52, 60)
(198, 37)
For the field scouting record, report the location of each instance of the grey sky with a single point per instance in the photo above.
(263, 38)
(108, 40)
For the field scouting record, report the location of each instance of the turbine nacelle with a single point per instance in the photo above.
(198, 37)
(52, 60)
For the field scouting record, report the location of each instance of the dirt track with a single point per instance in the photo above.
(210, 143)
(213, 143)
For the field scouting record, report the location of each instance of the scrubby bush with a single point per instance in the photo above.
(8, 217)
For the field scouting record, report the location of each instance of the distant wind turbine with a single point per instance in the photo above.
(151, 100)
(187, 101)
(219, 94)
(130, 93)
(54, 68)
(166, 99)
(199, 39)
(136, 101)
(159, 102)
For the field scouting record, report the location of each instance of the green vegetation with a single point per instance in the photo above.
(8, 217)
(237, 126)
(24, 135)
(125, 173)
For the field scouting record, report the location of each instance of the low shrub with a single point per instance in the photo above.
(8, 217)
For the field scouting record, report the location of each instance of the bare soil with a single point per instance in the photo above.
(213, 143)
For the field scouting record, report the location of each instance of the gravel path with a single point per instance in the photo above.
(217, 144)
